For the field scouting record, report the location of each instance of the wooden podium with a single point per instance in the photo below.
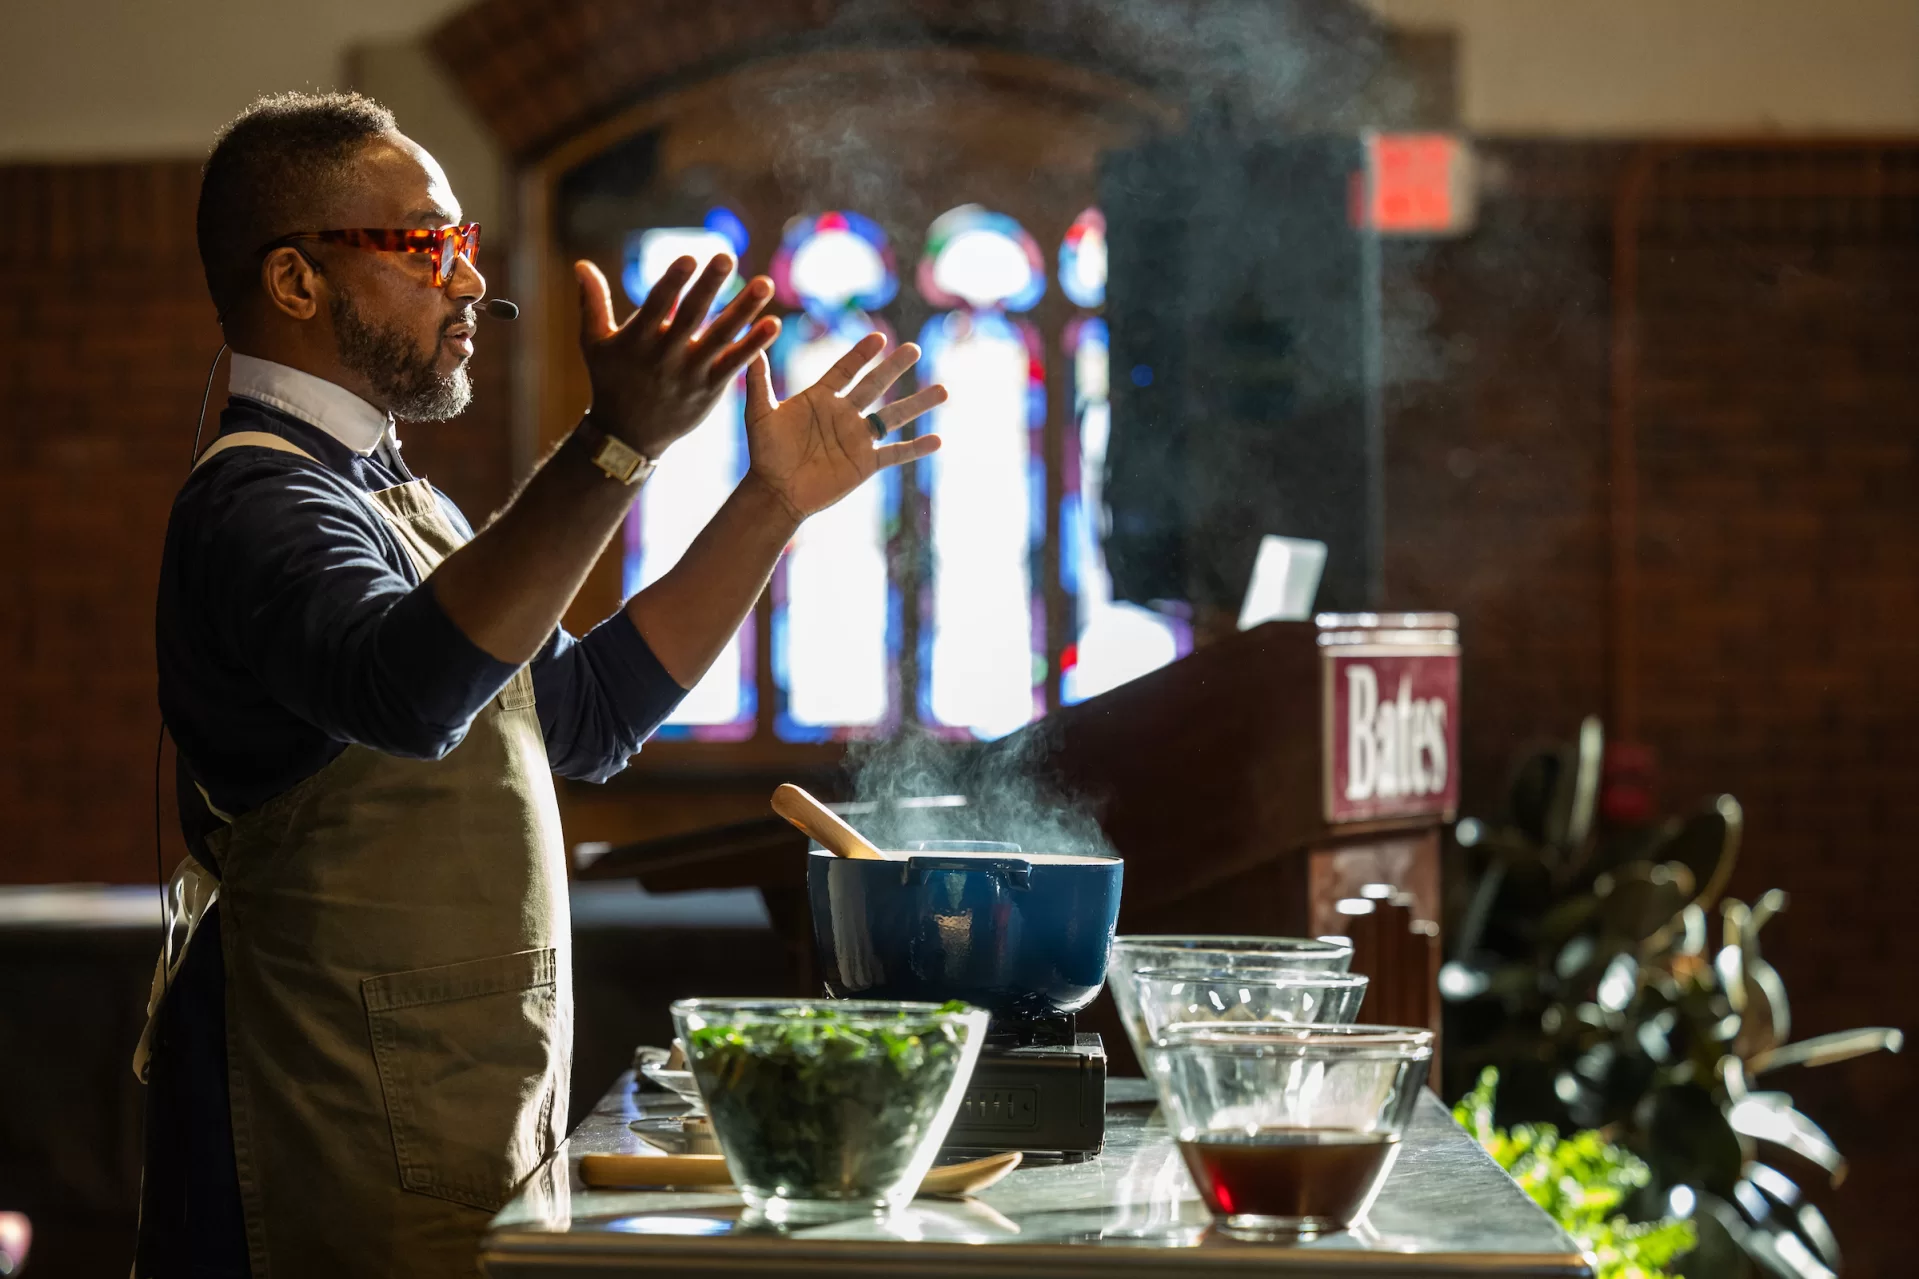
(1239, 789)
(1289, 780)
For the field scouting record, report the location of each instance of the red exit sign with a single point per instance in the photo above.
(1416, 184)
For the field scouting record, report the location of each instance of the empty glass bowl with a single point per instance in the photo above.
(829, 1108)
(1288, 1129)
(1217, 955)
(1292, 996)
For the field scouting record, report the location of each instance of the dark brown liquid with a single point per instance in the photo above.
(1316, 1173)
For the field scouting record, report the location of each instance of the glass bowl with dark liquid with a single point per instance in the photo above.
(1288, 1130)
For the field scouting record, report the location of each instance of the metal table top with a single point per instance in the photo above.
(1446, 1208)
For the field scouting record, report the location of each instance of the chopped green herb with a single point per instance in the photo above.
(815, 1106)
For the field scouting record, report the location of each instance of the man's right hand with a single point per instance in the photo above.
(656, 376)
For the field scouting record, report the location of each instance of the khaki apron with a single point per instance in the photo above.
(399, 998)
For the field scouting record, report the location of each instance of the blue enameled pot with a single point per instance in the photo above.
(1020, 935)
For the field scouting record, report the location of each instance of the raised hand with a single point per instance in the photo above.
(818, 446)
(655, 376)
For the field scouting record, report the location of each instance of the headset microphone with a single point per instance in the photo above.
(499, 309)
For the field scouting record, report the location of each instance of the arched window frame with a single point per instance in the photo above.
(1083, 113)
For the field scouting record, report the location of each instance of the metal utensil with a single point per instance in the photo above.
(604, 1171)
(688, 1135)
(666, 1071)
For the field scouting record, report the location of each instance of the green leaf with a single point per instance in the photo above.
(1582, 1182)
(1824, 1050)
(1770, 1117)
(1691, 1141)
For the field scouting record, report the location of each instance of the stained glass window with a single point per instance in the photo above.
(692, 480)
(834, 264)
(980, 259)
(982, 673)
(837, 613)
(650, 252)
(839, 601)
(1082, 260)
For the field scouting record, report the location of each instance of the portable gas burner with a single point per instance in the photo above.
(1040, 1088)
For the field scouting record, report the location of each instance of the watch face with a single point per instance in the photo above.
(619, 460)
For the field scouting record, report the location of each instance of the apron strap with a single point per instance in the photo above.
(252, 439)
(212, 807)
(190, 892)
(414, 500)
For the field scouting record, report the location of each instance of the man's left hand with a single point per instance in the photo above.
(815, 448)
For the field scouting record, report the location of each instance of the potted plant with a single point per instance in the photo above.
(1598, 965)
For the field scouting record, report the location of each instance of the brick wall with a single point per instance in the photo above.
(1496, 411)
(104, 340)
(1776, 415)
(1778, 428)
(105, 337)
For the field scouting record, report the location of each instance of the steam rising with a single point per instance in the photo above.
(1008, 799)
(868, 127)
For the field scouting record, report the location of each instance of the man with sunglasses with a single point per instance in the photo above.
(361, 1050)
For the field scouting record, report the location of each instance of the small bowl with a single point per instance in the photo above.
(1288, 1130)
(1290, 997)
(827, 1109)
(1250, 955)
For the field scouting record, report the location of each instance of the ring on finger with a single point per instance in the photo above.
(877, 425)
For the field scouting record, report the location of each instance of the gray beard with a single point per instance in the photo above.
(397, 368)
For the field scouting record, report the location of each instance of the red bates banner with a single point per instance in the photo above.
(1391, 734)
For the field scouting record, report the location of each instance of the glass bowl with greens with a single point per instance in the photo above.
(829, 1108)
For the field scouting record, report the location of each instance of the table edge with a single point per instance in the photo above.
(531, 1248)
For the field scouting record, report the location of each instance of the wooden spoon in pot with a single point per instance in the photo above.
(823, 824)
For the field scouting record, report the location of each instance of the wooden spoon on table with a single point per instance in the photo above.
(604, 1171)
(823, 824)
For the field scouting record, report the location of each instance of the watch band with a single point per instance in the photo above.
(613, 455)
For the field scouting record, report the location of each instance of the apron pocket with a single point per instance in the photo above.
(466, 1055)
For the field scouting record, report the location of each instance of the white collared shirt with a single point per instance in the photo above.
(327, 405)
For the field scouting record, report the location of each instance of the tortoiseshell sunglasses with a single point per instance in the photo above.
(447, 243)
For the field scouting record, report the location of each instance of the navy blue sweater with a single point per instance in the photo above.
(291, 622)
